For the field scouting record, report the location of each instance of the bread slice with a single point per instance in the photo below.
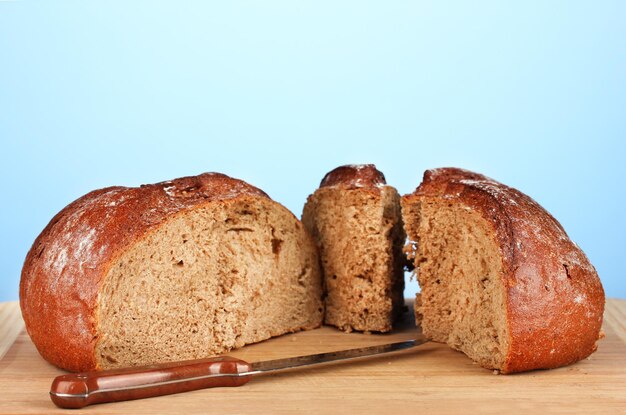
(500, 279)
(355, 219)
(177, 270)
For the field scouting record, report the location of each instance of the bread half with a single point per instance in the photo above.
(177, 270)
(500, 279)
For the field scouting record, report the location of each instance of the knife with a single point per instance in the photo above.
(77, 390)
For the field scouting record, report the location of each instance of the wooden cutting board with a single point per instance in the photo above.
(425, 380)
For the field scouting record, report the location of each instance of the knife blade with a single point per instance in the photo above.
(77, 390)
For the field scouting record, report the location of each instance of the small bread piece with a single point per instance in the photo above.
(355, 219)
(177, 270)
(500, 279)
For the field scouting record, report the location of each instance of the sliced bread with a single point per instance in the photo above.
(355, 219)
(500, 279)
(177, 270)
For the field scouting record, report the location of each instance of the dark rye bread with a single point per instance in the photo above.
(177, 270)
(500, 279)
(355, 219)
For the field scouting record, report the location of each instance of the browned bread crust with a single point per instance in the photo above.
(554, 298)
(65, 267)
(354, 176)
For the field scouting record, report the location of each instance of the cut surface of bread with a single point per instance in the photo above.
(357, 224)
(500, 279)
(214, 279)
(459, 269)
(179, 270)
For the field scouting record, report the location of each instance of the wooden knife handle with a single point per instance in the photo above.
(76, 390)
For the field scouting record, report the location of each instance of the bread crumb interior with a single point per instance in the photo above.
(459, 268)
(207, 281)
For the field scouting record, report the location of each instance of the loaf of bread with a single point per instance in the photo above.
(355, 219)
(500, 279)
(177, 270)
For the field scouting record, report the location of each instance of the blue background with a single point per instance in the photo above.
(533, 94)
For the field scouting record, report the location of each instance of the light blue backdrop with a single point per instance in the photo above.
(277, 93)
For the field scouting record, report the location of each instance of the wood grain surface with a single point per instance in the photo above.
(425, 380)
